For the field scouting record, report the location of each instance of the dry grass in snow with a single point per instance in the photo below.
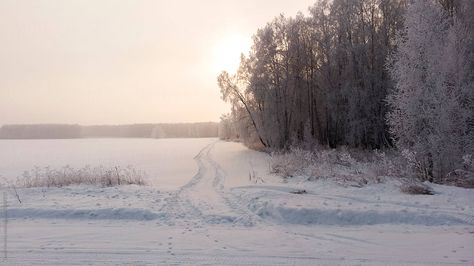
(66, 176)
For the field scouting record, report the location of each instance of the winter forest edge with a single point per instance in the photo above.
(396, 76)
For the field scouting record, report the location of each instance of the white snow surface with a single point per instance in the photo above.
(231, 211)
(168, 162)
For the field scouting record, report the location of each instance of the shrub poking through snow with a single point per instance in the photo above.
(67, 176)
(460, 178)
(299, 191)
(416, 188)
(292, 163)
(346, 167)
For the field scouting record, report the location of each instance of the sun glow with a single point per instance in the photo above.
(226, 54)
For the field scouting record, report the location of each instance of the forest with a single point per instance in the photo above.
(64, 131)
(363, 74)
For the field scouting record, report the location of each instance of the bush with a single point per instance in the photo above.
(66, 176)
(416, 188)
(460, 178)
(360, 167)
(292, 163)
(347, 167)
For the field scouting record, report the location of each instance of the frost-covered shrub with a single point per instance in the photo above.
(468, 162)
(345, 158)
(384, 166)
(416, 188)
(462, 177)
(292, 163)
(391, 163)
(66, 176)
(344, 166)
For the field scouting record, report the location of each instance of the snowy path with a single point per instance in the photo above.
(220, 217)
(204, 200)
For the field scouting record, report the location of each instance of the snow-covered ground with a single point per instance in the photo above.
(231, 211)
(168, 162)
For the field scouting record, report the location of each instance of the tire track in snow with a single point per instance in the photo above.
(204, 199)
(245, 216)
(176, 206)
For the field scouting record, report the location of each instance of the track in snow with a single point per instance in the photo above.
(206, 222)
(204, 199)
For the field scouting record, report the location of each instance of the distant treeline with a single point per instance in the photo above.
(62, 131)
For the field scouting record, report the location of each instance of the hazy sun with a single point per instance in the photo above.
(226, 54)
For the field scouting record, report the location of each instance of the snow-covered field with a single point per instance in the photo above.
(222, 207)
(168, 162)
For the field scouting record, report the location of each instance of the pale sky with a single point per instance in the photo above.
(120, 62)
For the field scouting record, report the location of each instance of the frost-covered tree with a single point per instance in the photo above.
(319, 78)
(233, 89)
(431, 103)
